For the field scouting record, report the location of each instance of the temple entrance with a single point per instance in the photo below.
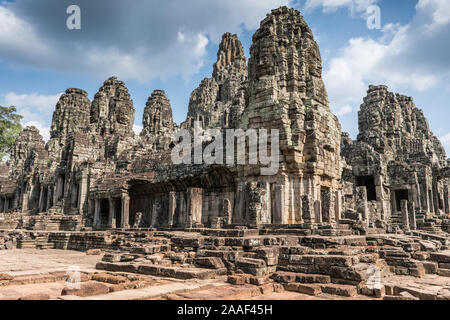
(369, 183)
(399, 196)
(61, 186)
(43, 205)
(430, 200)
(74, 196)
(118, 212)
(104, 212)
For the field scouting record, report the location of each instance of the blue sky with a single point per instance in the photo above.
(172, 46)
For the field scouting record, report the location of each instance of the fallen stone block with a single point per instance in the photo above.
(209, 262)
(256, 267)
(94, 252)
(238, 279)
(441, 257)
(107, 278)
(117, 267)
(309, 289)
(444, 272)
(284, 277)
(340, 290)
(430, 267)
(5, 277)
(87, 290)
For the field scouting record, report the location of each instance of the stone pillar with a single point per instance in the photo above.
(111, 214)
(416, 196)
(328, 207)
(412, 215)
(446, 199)
(125, 211)
(308, 209)
(82, 195)
(97, 213)
(172, 208)
(278, 205)
(2, 204)
(56, 190)
(155, 214)
(227, 215)
(25, 198)
(318, 211)
(361, 203)
(194, 214)
(41, 199)
(338, 206)
(49, 197)
(6, 205)
(405, 215)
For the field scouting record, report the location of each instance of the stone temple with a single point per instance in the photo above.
(96, 182)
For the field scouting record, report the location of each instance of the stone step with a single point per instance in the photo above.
(291, 277)
(45, 245)
(231, 233)
(26, 244)
(161, 271)
(317, 289)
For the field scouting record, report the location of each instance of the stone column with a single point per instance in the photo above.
(6, 205)
(97, 213)
(308, 209)
(172, 207)
(405, 215)
(318, 211)
(125, 211)
(82, 195)
(338, 206)
(361, 203)
(56, 190)
(328, 207)
(111, 214)
(278, 205)
(41, 199)
(227, 215)
(446, 199)
(155, 214)
(194, 214)
(49, 197)
(25, 198)
(412, 215)
(2, 204)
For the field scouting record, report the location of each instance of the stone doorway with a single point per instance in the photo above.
(118, 212)
(104, 212)
(369, 183)
(402, 194)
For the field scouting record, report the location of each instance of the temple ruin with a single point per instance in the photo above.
(96, 175)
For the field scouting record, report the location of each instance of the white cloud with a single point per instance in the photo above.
(43, 130)
(32, 101)
(446, 141)
(414, 58)
(137, 129)
(148, 40)
(35, 108)
(333, 5)
(344, 110)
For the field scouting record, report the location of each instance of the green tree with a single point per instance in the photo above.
(10, 128)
